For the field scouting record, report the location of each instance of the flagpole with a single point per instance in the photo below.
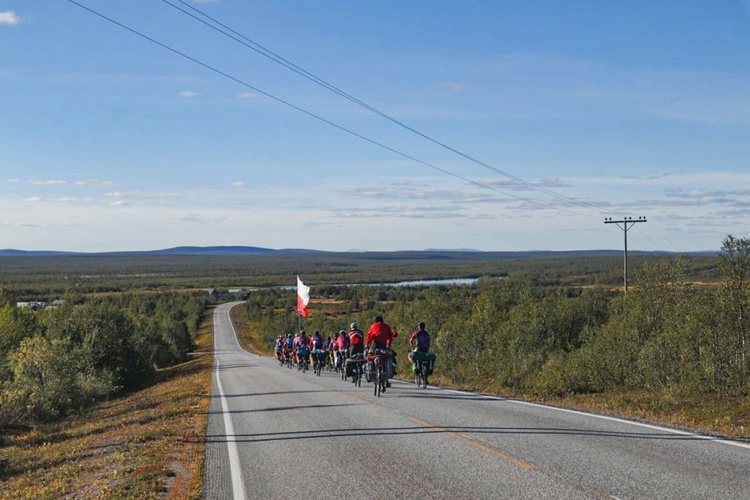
(299, 315)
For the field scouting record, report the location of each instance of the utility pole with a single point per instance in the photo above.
(625, 224)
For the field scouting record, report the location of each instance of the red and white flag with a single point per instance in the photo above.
(303, 297)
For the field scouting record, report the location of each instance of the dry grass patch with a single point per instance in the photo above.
(247, 335)
(148, 444)
(709, 413)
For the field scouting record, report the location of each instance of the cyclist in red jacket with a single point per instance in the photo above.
(379, 334)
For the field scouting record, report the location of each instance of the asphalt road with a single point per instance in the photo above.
(276, 433)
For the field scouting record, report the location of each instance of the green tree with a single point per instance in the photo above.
(734, 264)
(48, 382)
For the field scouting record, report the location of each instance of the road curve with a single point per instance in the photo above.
(276, 433)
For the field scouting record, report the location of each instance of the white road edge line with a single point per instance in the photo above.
(605, 417)
(238, 488)
(234, 332)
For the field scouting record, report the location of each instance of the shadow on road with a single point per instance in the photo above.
(280, 408)
(234, 366)
(427, 431)
(278, 393)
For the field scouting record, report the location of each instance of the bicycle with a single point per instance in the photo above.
(341, 364)
(420, 373)
(286, 358)
(358, 364)
(304, 362)
(318, 362)
(422, 364)
(379, 359)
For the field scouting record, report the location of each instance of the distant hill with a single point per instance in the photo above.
(435, 254)
(9, 252)
(224, 251)
(185, 250)
(219, 250)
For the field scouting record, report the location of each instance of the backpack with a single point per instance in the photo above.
(303, 347)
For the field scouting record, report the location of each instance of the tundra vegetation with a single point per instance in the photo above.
(59, 360)
(111, 361)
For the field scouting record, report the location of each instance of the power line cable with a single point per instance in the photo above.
(260, 49)
(311, 114)
(656, 227)
(649, 239)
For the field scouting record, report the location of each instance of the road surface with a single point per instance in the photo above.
(276, 433)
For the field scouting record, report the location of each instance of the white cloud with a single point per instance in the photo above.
(48, 183)
(66, 199)
(117, 203)
(197, 218)
(9, 18)
(95, 183)
(238, 184)
(188, 93)
(75, 200)
(139, 195)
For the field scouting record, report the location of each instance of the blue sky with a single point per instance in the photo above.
(639, 108)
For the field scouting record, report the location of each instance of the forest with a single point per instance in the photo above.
(47, 278)
(60, 360)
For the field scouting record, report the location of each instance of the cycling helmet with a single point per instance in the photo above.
(343, 332)
(378, 319)
(353, 326)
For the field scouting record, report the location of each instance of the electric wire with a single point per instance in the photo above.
(656, 227)
(315, 116)
(649, 238)
(260, 49)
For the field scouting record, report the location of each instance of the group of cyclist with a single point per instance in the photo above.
(344, 344)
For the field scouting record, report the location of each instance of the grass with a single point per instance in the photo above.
(147, 444)
(713, 414)
(248, 336)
